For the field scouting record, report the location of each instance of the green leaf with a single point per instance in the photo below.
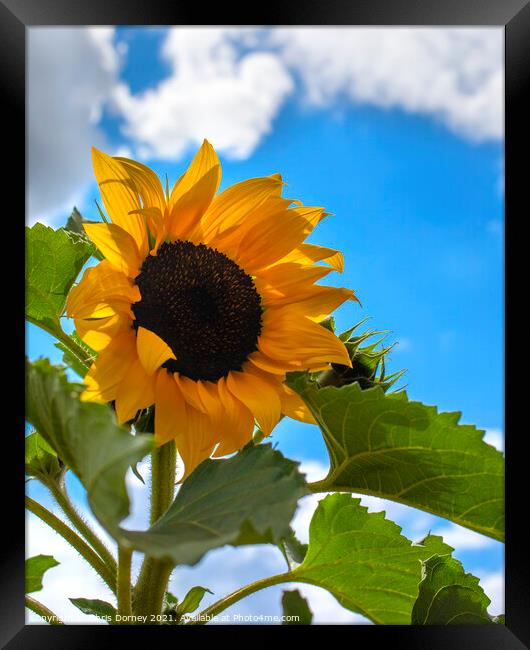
(364, 561)
(78, 361)
(296, 607)
(249, 498)
(293, 550)
(387, 446)
(95, 607)
(449, 596)
(86, 437)
(171, 599)
(36, 567)
(75, 225)
(54, 259)
(192, 600)
(41, 460)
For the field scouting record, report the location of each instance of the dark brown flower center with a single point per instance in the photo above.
(203, 305)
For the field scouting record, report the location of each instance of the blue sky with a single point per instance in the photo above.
(415, 188)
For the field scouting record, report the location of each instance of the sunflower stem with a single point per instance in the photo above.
(207, 614)
(42, 611)
(123, 587)
(79, 544)
(58, 491)
(154, 575)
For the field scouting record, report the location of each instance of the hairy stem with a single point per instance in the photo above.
(239, 594)
(123, 588)
(154, 575)
(59, 493)
(42, 611)
(86, 552)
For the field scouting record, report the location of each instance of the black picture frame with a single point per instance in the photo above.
(18, 15)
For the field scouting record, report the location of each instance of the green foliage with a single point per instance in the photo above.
(387, 446)
(36, 567)
(192, 600)
(74, 225)
(77, 354)
(95, 607)
(54, 259)
(367, 361)
(293, 604)
(448, 595)
(41, 460)
(364, 561)
(86, 437)
(292, 549)
(249, 498)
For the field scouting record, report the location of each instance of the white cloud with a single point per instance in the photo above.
(453, 74)
(212, 92)
(220, 90)
(229, 84)
(493, 585)
(70, 74)
(495, 437)
(463, 539)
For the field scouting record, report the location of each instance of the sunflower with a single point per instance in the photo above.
(203, 302)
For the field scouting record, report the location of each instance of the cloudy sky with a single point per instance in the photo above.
(397, 132)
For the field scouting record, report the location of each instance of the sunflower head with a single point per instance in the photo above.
(203, 303)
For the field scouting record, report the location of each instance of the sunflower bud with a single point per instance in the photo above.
(368, 362)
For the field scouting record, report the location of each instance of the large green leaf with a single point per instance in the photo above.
(54, 259)
(364, 561)
(246, 499)
(448, 595)
(390, 447)
(36, 567)
(86, 437)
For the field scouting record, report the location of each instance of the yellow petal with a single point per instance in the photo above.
(205, 160)
(136, 391)
(273, 366)
(101, 285)
(196, 443)
(99, 332)
(170, 408)
(232, 206)
(190, 391)
(186, 212)
(274, 235)
(240, 422)
(120, 196)
(285, 283)
(289, 336)
(146, 183)
(294, 407)
(110, 367)
(152, 350)
(118, 247)
(259, 396)
(307, 254)
(322, 301)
